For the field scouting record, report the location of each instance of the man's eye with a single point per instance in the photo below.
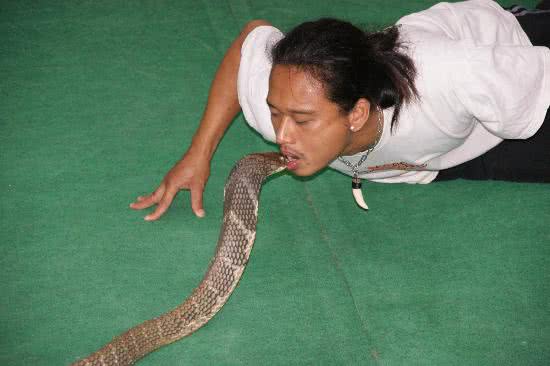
(302, 122)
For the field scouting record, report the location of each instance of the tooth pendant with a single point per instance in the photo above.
(358, 193)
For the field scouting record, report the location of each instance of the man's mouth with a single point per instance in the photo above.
(291, 159)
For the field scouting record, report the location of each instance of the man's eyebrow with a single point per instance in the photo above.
(293, 111)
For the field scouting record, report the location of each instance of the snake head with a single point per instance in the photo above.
(267, 163)
(275, 161)
(257, 167)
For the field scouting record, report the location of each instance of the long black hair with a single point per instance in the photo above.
(351, 63)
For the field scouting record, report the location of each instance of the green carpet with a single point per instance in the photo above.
(100, 98)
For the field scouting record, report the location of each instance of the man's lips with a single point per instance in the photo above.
(292, 164)
(291, 158)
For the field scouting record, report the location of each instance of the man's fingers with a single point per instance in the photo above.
(196, 201)
(148, 201)
(162, 205)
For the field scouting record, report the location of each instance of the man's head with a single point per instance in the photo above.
(328, 77)
(311, 130)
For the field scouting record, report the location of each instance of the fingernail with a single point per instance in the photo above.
(147, 218)
(200, 213)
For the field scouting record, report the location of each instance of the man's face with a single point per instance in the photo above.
(311, 130)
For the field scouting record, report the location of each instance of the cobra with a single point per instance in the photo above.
(235, 243)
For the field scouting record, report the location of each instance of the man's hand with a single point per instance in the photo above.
(190, 173)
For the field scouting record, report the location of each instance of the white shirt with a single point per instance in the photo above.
(479, 80)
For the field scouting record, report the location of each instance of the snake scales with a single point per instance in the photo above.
(237, 235)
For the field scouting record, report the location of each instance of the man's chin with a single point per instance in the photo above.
(304, 172)
(298, 173)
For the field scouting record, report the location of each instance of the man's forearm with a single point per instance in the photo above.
(223, 104)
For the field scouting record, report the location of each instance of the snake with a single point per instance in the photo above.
(237, 235)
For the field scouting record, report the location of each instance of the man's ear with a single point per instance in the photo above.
(359, 115)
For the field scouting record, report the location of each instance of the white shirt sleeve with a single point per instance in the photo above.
(253, 78)
(506, 88)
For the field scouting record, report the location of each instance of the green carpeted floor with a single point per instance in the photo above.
(99, 99)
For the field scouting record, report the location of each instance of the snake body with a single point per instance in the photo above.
(235, 243)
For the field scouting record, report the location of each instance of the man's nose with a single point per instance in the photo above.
(284, 132)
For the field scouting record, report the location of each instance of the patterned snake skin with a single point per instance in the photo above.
(232, 252)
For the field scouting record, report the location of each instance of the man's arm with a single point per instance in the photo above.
(193, 169)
